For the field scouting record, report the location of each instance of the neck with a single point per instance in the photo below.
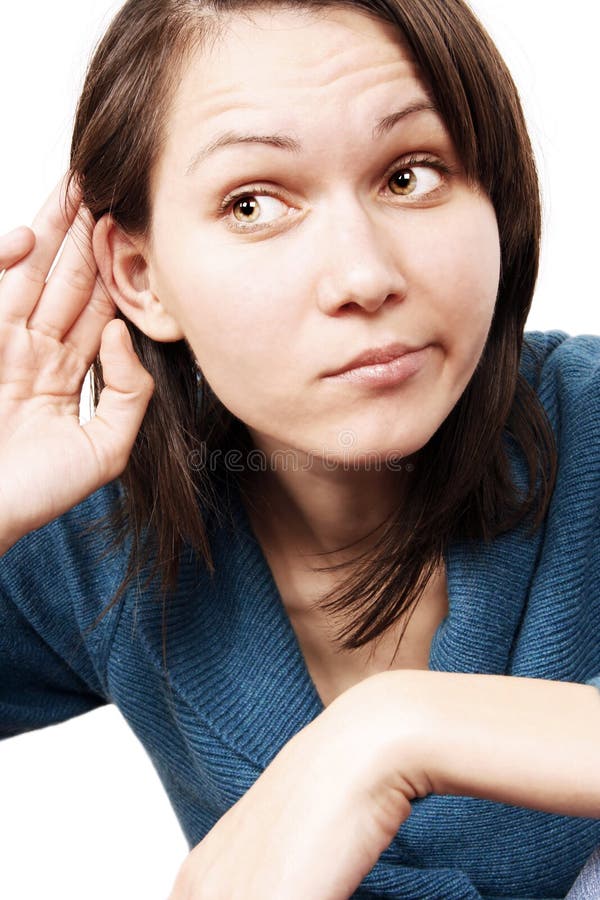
(314, 512)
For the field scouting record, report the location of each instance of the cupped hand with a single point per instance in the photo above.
(51, 330)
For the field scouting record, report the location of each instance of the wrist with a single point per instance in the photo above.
(523, 741)
(389, 722)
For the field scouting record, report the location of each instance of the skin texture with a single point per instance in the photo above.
(267, 314)
(347, 264)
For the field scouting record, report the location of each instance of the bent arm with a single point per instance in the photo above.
(524, 741)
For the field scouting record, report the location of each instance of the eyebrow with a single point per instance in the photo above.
(285, 142)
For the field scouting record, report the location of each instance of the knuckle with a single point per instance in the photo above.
(101, 302)
(76, 280)
(57, 218)
(34, 274)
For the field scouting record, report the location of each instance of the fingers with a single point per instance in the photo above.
(15, 245)
(23, 283)
(84, 336)
(123, 401)
(71, 284)
(72, 301)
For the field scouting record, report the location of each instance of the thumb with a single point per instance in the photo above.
(122, 403)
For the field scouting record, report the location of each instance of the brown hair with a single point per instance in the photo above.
(461, 486)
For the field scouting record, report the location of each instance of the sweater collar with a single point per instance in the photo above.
(233, 656)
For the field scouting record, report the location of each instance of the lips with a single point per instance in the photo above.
(376, 355)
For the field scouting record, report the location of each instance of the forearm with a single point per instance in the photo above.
(524, 741)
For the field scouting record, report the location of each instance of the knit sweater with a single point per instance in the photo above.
(238, 687)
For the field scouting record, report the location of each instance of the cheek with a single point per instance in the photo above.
(213, 302)
(237, 319)
(467, 273)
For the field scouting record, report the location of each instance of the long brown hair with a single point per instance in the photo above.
(461, 485)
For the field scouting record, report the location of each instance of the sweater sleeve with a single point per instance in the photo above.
(568, 374)
(53, 585)
(38, 687)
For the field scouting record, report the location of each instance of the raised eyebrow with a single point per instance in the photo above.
(291, 144)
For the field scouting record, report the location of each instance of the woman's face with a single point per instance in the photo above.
(284, 258)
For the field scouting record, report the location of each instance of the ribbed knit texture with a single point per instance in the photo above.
(238, 688)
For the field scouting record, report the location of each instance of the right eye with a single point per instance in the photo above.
(248, 210)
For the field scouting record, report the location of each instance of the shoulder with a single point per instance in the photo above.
(564, 370)
(556, 354)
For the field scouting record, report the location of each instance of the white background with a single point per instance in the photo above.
(83, 814)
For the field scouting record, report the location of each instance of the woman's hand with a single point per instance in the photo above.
(316, 821)
(15, 245)
(318, 818)
(51, 329)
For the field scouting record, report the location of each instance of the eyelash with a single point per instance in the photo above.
(253, 190)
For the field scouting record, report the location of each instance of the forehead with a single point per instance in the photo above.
(279, 67)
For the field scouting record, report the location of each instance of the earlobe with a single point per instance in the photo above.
(124, 271)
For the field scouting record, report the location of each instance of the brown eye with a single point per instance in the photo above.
(248, 209)
(416, 181)
(403, 182)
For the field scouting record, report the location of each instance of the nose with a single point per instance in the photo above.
(356, 264)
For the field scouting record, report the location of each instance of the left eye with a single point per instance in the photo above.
(248, 209)
(418, 180)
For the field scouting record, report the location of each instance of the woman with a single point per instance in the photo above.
(308, 218)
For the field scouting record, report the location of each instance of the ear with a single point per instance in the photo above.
(124, 271)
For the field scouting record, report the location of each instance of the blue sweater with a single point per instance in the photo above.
(238, 687)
